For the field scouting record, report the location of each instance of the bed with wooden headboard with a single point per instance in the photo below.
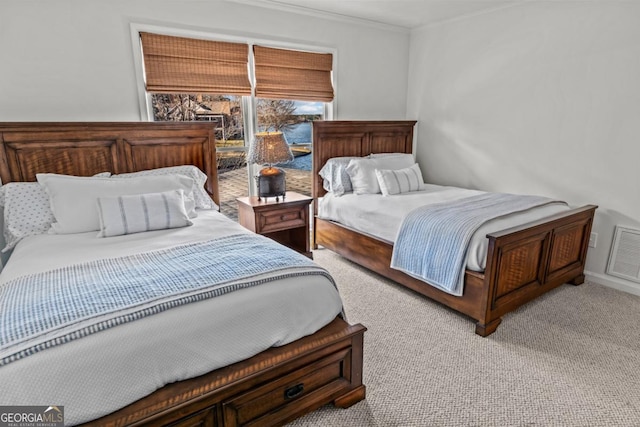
(522, 262)
(270, 388)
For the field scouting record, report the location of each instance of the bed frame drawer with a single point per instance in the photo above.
(274, 403)
(271, 388)
(204, 418)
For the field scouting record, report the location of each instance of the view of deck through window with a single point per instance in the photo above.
(291, 117)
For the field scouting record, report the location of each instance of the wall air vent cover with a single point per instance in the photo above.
(624, 260)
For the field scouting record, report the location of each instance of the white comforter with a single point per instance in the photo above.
(380, 216)
(103, 372)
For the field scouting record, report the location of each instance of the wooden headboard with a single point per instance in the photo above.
(356, 138)
(85, 149)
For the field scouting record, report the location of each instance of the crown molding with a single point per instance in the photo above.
(301, 10)
(429, 25)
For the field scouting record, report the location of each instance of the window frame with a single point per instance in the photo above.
(248, 102)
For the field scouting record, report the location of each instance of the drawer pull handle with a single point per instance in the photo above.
(294, 391)
(286, 217)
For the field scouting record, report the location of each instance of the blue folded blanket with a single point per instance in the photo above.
(433, 240)
(47, 309)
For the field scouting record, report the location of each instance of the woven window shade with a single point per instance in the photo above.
(185, 65)
(290, 74)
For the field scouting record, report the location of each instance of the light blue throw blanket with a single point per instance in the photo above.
(83, 299)
(432, 242)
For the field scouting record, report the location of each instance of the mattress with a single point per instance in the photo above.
(380, 216)
(103, 372)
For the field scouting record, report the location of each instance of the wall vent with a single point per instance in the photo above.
(624, 260)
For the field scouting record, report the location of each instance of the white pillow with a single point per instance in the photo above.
(400, 181)
(73, 199)
(335, 178)
(142, 212)
(374, 155)
(363, 171)
(200, 195)
(101, 174)
(27, 211)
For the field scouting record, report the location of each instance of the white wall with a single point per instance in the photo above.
(541, 98)
(73, 60)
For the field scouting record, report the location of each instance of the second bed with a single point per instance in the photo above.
(514, 261)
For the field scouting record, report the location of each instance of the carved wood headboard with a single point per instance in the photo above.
(356, 138)
(85, 149)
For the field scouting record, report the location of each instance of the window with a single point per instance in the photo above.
(195, 79)
(293, 118)
(291, 74)
(186, 65)
(224, 110)
(231, 145)
(292, 88)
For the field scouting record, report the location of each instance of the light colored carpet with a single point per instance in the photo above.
(570, 358)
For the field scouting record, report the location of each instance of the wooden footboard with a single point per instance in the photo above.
(269, 389)
(522, 264)
(527, 261)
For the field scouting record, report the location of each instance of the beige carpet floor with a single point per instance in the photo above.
(570, 358)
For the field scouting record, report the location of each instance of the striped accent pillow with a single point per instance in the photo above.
(400, 181)
(142, 212)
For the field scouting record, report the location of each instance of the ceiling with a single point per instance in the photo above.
(406, 14)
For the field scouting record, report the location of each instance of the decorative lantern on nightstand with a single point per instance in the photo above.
(269, 148)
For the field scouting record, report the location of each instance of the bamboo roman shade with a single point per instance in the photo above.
(185, 65)
(291, 74)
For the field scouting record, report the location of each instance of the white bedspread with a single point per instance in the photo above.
(381, 216)
(103, 372)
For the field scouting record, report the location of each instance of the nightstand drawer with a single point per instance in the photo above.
(286, 221)
(304, 386)
(282, 219)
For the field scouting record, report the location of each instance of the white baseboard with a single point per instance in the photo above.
(613, 282)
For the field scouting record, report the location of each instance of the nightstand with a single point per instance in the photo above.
(286, 221)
